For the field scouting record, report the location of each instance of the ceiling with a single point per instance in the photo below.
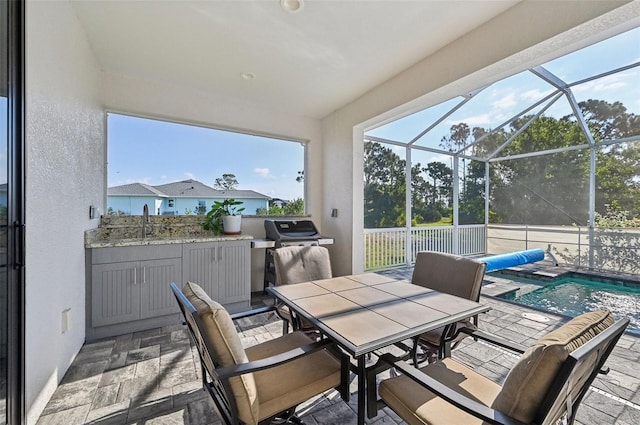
(308, 63)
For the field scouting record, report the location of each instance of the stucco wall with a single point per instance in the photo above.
(65, 175)
(529, 34)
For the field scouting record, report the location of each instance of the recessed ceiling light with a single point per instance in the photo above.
(248, 76)
(292, 6)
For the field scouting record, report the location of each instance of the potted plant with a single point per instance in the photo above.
(224, 217)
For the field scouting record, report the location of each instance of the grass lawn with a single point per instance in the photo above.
(444, 221)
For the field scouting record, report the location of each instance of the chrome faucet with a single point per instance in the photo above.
(145, 220)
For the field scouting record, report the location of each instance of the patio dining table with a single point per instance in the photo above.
(366, 312)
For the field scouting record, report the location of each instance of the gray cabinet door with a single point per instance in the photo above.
(200, 265)
(234, 272)
(115, 296)
(156, 298)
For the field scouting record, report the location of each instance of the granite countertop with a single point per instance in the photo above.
(115, 231)
(163, 241)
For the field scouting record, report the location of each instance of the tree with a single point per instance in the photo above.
(545, 189)
(384, 187)
(609, 120)
(471, 210)
(618, 166)
(423, 210)
(294, 207)
(442, 177)
(226, 182)
(458, 138)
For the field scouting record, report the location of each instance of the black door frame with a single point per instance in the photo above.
(16, 410)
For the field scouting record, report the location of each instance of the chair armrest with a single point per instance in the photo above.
(278, 359)
(253, 312)
(467, 404)
(496, 340)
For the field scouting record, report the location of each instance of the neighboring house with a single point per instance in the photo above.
(277, 202)
(3, 195)
(178, 198)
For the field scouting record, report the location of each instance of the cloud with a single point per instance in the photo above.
(610, 82)
(534, 95)
(190, 176)
(265, 173)
(478, 120)
(506, 102)
(483, 120)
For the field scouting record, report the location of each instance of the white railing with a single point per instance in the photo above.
(610, 249)
(384, 248)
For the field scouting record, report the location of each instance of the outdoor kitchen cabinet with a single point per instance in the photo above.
(128, 289)
(128, 286)
(222, 269)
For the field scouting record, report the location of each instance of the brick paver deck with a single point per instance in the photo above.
(153, 377)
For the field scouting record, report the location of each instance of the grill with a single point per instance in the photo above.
(291, 232)
(287, 233)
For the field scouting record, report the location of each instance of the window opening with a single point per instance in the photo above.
(207, 164)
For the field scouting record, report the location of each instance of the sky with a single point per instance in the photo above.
(504, 99)
(157, 152)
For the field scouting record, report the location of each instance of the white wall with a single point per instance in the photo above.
(526, 35)
(65, 175)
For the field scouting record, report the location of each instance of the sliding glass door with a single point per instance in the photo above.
(11, 212)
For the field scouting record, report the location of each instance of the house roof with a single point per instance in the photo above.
(135, 189)
(243, 194)
(188, 188)
(183, 189)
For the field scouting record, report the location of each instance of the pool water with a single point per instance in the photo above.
(573, 296)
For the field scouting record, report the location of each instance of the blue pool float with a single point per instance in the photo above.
(502, 261)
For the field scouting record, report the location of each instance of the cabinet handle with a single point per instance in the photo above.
(135, 275)
(144, 274)
(221, 253)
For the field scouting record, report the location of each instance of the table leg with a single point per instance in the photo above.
(362, 388)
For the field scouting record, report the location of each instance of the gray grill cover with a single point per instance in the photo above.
(291, 230)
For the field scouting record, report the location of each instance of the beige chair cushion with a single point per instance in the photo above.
(433, 337)
(294, 382)
(295, 264)
(530, 379)
(418, 406)
(449, 273)
(222, 334)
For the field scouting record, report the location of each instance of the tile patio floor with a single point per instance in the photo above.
(153, 377)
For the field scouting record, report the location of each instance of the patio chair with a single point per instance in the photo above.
(547, 383)
(295, 264)
(265, 382)
(450, 274)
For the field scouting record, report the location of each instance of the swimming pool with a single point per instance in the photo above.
(572, 296)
